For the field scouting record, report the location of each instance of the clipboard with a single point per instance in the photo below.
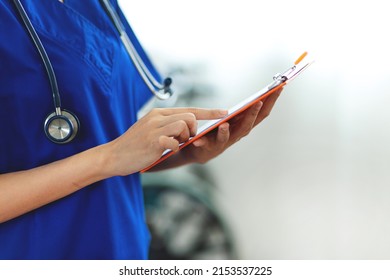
(279, 81)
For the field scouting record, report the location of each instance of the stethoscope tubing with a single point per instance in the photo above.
(42, 52)
(161, 91)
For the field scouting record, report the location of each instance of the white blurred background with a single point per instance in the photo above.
(312, 181)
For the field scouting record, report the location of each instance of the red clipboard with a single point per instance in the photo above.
(279, 81)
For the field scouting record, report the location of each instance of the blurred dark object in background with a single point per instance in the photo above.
(183, 221)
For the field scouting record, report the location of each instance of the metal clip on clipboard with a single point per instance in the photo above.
(290, 73)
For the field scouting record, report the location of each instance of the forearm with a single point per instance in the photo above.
(23, 191)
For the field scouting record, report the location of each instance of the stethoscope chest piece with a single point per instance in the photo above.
(61, 128)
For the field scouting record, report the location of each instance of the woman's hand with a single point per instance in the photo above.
(145, 141)
(213, 144)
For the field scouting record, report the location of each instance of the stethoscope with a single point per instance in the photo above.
(62, 125)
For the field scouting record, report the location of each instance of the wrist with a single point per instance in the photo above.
(104, 161)
(112, 161)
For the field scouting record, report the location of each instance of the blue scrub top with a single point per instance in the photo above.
(98, 82)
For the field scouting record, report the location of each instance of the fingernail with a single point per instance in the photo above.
(223, 112)
(224, 129)
(258, 105)
(197, 143)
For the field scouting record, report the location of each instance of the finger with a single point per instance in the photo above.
(178, 130)
(267, 106)
(170, 143)
(189, 118)
(223, 134)
(200, 113)
(200, 142)
(247, 121)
